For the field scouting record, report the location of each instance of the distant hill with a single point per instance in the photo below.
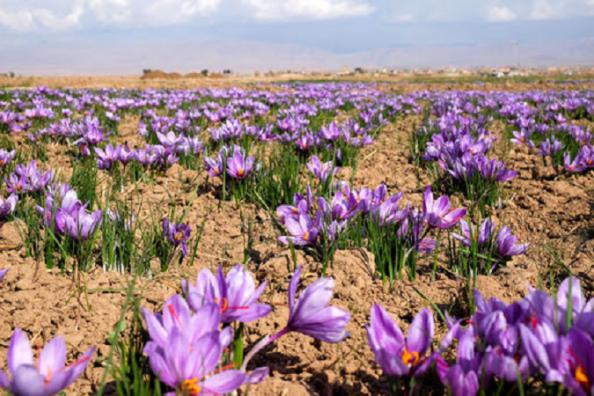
(247, 56)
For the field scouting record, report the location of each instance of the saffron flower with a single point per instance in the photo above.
(27, 178)
(215, 167)
(236, 294)
(45, 377)
(106, 157)
(469, 232)
(507, 245)
(311, 315)
(240, 165)
(438, 213)
(303, 231)
(3, 273)
(6, 157)
(321, 170)
(186, 348)
(580, 376)
(80, 224)
(177, 234)
(8, 205)
(191, 367)
(396, 355)
(177, 314)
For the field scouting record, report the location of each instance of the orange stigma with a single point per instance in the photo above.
(410, 358)
(582, 378)
(190, 387)
(306, 235)
(48, 377)
(533, 321)
(178, 236)
(224, 304)
(173, 313)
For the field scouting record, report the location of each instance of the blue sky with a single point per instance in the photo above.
(124, 36)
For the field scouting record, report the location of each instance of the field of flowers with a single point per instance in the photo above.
(294, 239)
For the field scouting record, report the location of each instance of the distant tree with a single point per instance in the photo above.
(359, 70)
(146, 71)
(227, 71)
(204, 72)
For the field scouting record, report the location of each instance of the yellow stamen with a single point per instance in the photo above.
(306, 235)
(240, 172)
(190, 387)
(581, 377)
(410, 358)
(178, 236)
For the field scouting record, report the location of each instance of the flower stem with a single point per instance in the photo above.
(261, 345)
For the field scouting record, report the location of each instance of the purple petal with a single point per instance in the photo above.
(19, 351)
(420, 332)
(225, 382)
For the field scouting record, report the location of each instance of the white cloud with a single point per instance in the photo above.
(19, 20)
(175, 11)
(308, 9)
(155, 13)
(110, 11)
(50, 20)
(406, 17)
(500, 14)
(41, 17)
(543, 9)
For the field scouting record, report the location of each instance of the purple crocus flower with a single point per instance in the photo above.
(79, 223)
(396, 355)
(321, 170)
(388, 212)
(311, 315)
(240, 165)
(177, 233)
(580, 376)
(6, 157)
(48, 376)
(199, 331)
(571, 297)
(186, 348)
(3, 273)
(507, 245)
(463, 376)
(191, 367)
(545, 350)
(438, 213)
(236, 294)
(7, 205)
(303, 231)
(469, 232)
(177, 314)
(106, 157)
(27, 178)
(170, 139)
(215, 167)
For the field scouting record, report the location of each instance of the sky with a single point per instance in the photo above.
(125, 36)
